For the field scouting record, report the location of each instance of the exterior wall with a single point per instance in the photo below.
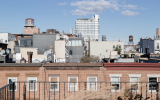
(60, 49)
(30, 30)
(77, 53)
(100, 47)
(150, 44)
(82, 71)
(88, 27)
(43, 42)
(4, 37)
(35, 55)
(43, 73)
(157, 50)
(11, 46)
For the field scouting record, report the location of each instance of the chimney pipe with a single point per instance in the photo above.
(157, 32)
(29, 53)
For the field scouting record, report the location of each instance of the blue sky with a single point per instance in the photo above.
(118, 18)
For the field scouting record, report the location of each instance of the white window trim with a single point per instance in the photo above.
(148, 82)
(118, 83)
(89, 83)
(35, 83)
(76, 85)
(153, 75)
(57, 82)
(15, 82)
(137, 83)
(115, 75)
(134, 75)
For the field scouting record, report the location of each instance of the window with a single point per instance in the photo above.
(157, 45)
(134, 83)
(92, 83)
(153, 84)
(70, 52)
(32, 85)
(10, 80)
(69, 43)
(113, 46)
(54, 83)
(134, 79)
(115, 81)
(73, 83)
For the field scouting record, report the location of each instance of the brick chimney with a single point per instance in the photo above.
(51, 47)
(157, 32)
(29, 53)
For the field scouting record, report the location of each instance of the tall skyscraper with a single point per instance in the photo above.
(88, 27)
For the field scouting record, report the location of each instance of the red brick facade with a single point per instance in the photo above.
(82, 71)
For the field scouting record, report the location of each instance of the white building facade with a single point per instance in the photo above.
(6, 37)
(88, 28)
(105, 48)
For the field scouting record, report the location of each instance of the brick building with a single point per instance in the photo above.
(62, 80)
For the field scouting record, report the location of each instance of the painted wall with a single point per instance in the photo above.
(43, 42)
(60, 49)
(104, 48)
(35, 55)
(4, 37)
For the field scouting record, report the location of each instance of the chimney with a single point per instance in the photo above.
(51, 47)
(29, 53)
(157, 32)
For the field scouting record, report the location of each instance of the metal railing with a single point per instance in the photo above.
(8, 92)
(81, 91)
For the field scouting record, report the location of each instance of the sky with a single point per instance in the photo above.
(118, 18)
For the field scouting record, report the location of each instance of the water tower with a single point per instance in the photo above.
(130, 42)
(29, 22)
(29, 27)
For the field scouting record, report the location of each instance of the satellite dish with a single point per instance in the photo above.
(46, 53)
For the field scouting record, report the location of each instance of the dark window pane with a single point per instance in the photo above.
(153, 83)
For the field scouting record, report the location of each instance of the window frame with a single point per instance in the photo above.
(15, 82)
(116, 75)
(135, 76)
(88, 83)
(28, 78)
(76, 84)
(55, 83)
(134, 83)
(148, 84)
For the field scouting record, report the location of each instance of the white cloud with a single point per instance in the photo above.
(129, 13)
(87, 7)
(79, 12)
(129, 7)
(65, 12)
(2, 27)
(92, 7)
(143, 8)
(64, 3)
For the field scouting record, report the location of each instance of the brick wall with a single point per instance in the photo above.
(63, 71)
